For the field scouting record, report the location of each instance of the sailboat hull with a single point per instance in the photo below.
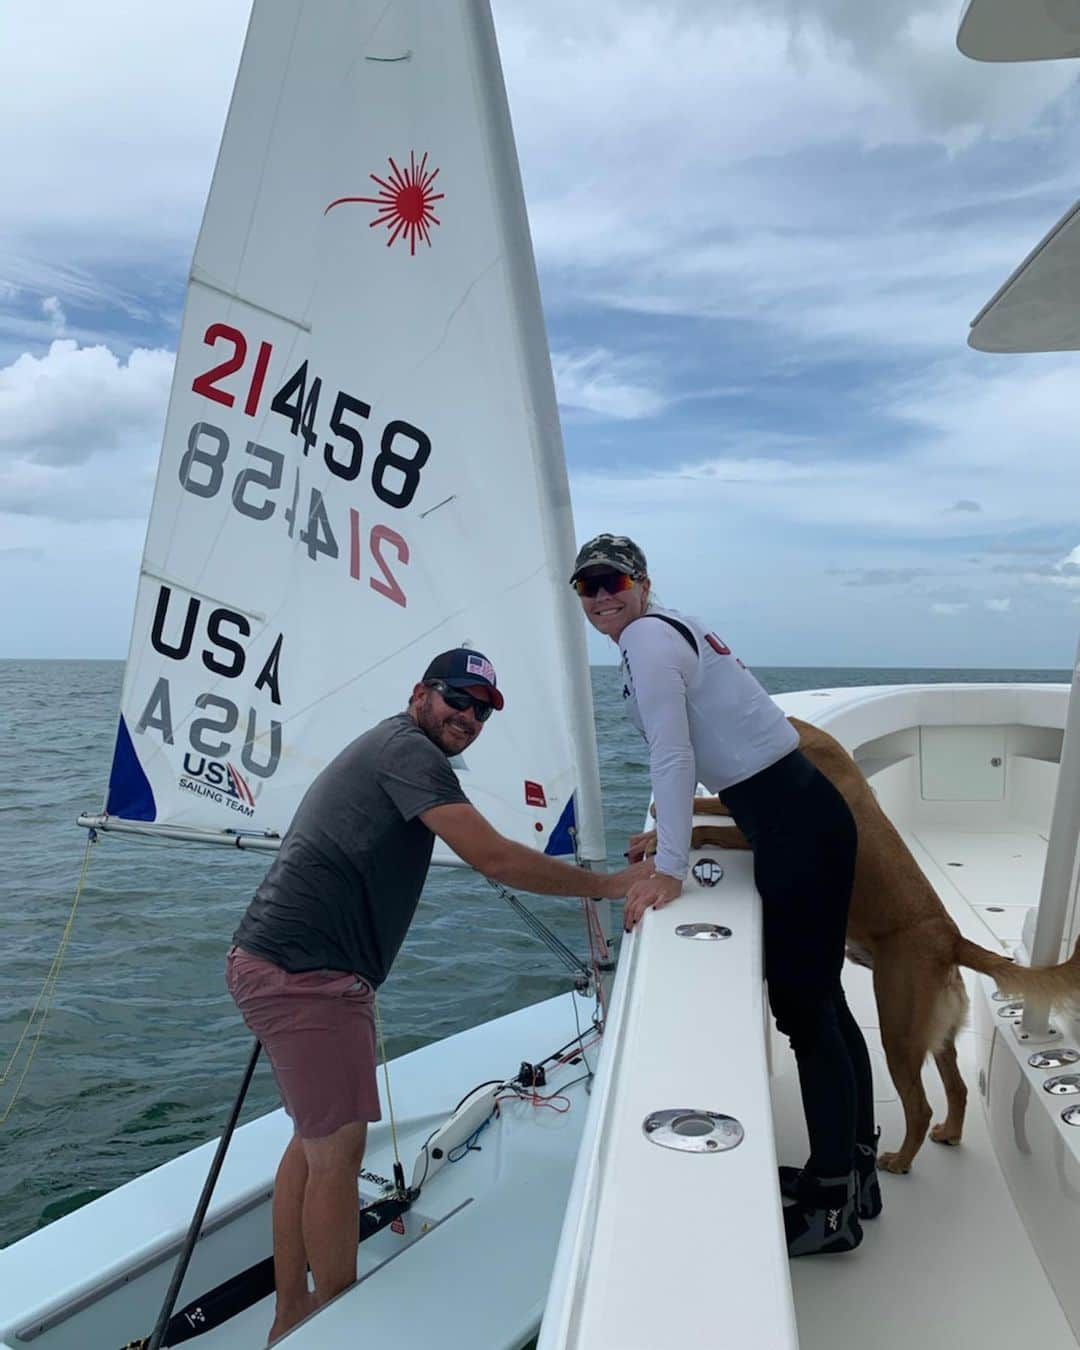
(471, 1268)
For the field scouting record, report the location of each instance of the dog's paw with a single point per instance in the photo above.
(940, 1135)
(892, 1162)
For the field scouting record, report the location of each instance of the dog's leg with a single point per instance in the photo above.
(904, 1020)
(703, 806)
(710, 806)
(951, 1128)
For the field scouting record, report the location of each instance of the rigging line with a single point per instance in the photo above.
(599, 948)
(581, 1042)
(48, 988)
(540, 930)
(386, 1079)
(600, 956)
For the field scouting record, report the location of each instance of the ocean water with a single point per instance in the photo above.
(143, 1050)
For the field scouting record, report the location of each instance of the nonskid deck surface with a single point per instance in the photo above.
(988, 882)
(948, 1265)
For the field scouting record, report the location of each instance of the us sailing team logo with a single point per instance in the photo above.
(404, 201)
(221, 783)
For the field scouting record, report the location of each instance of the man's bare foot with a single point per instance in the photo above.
(285, 1318)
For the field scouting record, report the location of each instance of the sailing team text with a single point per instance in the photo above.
(404, 449)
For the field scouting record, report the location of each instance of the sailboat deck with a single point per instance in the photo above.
(930, 1271)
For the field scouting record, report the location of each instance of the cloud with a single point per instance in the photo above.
(595, 381)
(884, 576)
(1046, 577)
(54, 312)
(909, 47)
(761, 225)
(891, 499)
(60, 408)
(80, 430)
(806, 166)
(946, 607)
(998, 605)
(1018, 547)
(138, 136)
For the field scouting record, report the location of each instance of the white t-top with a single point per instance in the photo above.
(705, 718)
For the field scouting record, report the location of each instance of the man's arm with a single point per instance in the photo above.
(462, 827)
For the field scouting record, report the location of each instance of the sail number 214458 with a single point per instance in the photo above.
(395, 471)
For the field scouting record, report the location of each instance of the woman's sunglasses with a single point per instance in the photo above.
(612, 582)
(460, 701)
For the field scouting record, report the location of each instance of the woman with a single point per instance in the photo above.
(707, 719)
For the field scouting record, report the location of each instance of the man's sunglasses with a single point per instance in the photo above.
(460, 701)
(612, 582)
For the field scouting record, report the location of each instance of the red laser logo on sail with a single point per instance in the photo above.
(404, 202)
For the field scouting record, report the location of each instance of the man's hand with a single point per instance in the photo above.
(614, 885)
(651, 893)
(641, 845)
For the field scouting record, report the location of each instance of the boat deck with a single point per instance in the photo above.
(930, 1272)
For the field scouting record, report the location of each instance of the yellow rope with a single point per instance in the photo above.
(386, 1079)
(48, 992)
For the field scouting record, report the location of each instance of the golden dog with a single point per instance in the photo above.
(899, 928)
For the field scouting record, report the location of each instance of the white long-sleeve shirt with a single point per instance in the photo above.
(704, 716)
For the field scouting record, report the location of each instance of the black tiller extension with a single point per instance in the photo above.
(161, 1326)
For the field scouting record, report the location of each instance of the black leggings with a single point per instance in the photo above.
(803, 837)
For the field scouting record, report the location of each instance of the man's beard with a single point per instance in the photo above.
(436, 729)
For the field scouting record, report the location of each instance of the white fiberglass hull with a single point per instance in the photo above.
(470, 1270)
(976, 1247)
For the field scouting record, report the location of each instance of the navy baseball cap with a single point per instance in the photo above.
(462, 668)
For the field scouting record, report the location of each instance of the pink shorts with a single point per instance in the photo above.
(318, 1031)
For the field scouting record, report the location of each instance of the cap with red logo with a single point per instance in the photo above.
(462, 668)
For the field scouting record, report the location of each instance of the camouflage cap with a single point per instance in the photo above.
(611, 550)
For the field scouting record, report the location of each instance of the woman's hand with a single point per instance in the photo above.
(653, 893)
(641, 845)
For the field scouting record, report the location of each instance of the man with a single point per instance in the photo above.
(323, 930)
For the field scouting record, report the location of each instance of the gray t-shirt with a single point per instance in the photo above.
(343, 889)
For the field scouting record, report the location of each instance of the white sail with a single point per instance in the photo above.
(362, 463)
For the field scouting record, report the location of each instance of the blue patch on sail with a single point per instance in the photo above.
(130, 795)
(562, 838)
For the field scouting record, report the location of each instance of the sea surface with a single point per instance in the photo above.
(143, 1050)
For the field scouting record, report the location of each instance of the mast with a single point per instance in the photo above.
(550, 460)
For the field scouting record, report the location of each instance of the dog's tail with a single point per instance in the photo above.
(1053, 984)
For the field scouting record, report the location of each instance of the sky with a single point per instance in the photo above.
(762, 228)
